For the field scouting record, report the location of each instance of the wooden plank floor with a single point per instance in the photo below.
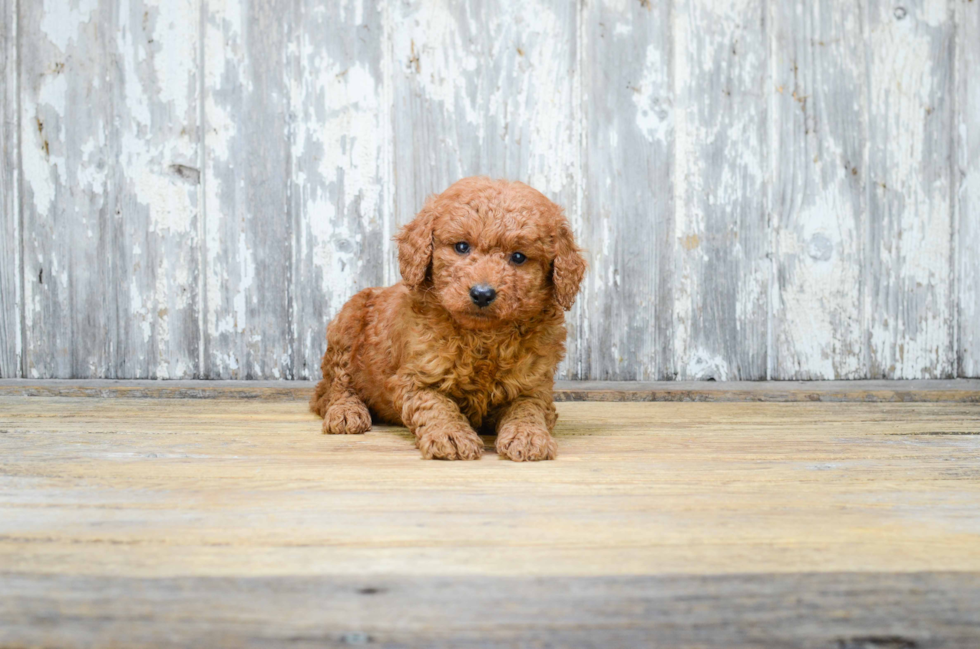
(233, 522)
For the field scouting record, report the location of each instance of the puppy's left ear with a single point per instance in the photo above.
(568, 267)
(415, 247)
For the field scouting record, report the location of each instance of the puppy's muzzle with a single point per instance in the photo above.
(482, 295)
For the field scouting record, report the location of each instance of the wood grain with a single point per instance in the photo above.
(625, 323)
(966, 180)
(10, 263)
(819, 209)
(950, 391)
(721, 277)
(236, 522)
(909, 227)
(339, 166)
(456, 115)
(108, 133)
(240, 488)
(850, 610)
(248, 222)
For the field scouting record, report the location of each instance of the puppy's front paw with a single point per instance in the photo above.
(347, 417)
(523, 443)
(450, 443)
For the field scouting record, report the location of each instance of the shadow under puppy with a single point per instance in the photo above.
(470, 339)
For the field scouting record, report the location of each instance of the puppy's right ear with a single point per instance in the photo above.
(415, 247)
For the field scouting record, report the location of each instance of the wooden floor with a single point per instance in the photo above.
(235, 523)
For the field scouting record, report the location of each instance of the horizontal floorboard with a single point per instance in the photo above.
(825, 611)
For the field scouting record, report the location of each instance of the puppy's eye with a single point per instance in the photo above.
(462, 247)
(518, 258)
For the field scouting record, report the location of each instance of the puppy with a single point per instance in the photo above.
(469, 339)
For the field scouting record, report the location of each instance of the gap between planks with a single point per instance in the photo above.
(951, 391)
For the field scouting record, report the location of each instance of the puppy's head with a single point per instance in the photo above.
(491, 251)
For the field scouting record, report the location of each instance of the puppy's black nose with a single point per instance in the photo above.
(482, 295)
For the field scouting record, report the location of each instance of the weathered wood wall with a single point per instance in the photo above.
(11, 305)
(783, 190)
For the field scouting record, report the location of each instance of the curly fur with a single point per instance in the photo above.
(420, 353)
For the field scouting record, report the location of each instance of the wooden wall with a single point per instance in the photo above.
(782, 189)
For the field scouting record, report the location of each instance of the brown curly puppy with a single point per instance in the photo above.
(470, 338)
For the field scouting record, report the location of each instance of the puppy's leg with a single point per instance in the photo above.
(524, 429)
(441, 431)
(334, 399)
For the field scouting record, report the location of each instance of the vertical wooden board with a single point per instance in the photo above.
(628, 208)
(967, 186)
(153, 287)
(61, 215)
(721, 238)
(248, 221)
(339, 166)
(10, 299)
(108, 134)
(485, 88)
(818, 208)
(909, 303)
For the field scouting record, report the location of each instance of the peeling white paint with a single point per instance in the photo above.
(223, 71)
(653, 105)
(43, 168)
(349, 139)
(823, 291)
(721, 269)
(910, 198)
(547, 88)
(431, 42)
(703, 365)
(175, 47)
(60, 24)
(11, 254)
(819, 170)
(967, 199)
